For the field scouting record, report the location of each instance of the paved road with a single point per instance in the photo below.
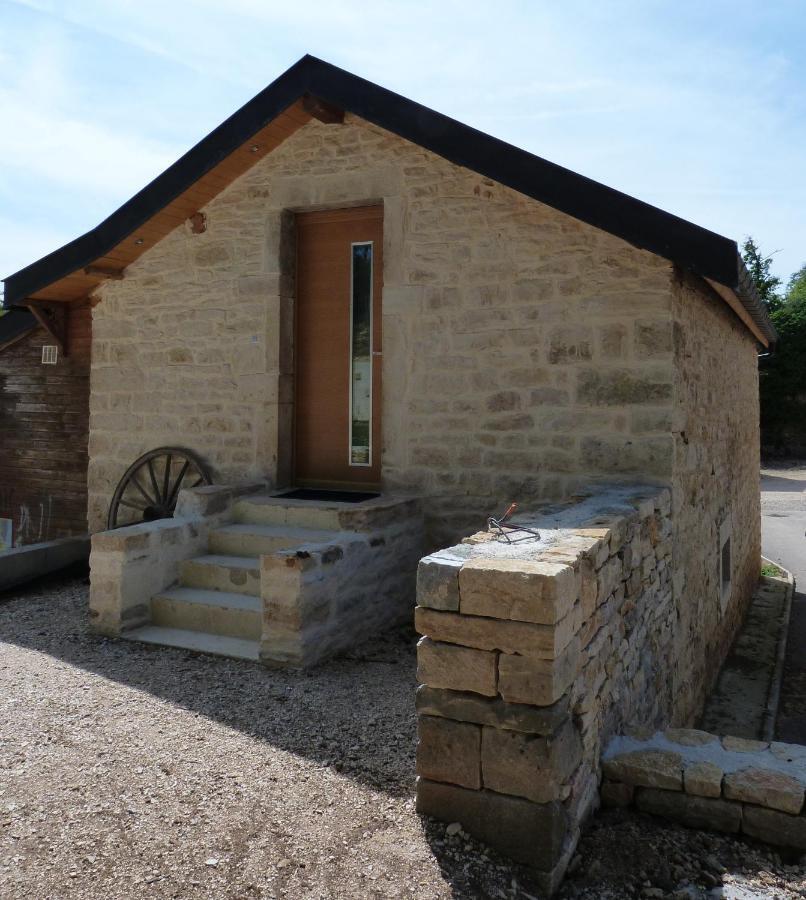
(783, 540)
(783, 519)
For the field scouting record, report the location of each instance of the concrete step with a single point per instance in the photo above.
(265, 510)
(214, 612)
(219, 645)
(367, 515)
(253, 540)
(216, 572)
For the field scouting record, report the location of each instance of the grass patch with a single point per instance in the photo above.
(772, 571)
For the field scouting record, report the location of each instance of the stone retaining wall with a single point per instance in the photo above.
(729, 784)
(322, 599)
(533, 655)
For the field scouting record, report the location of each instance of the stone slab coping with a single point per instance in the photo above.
(212, 499)
(766, 774)
(384, 501)
(731, 754)
(228, 562)
(21, 564)
(577, 527)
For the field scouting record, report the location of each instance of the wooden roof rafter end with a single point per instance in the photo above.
(53, 318)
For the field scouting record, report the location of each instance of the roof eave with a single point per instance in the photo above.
(696, 249)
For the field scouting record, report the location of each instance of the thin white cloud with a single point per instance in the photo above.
(696, 107)
(26, 243)
(76, 153)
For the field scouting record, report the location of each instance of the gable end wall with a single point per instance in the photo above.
(524, 351)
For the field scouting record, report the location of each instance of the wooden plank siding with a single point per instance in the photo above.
(44, 419)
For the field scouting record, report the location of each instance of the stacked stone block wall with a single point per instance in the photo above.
(322, 599)
(729, 784)
(533, 655)
(715, 488)
(524, 351)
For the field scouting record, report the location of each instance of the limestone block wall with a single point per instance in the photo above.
(727, 784)
(322, 599)
(534, 654)
(715, 488)
(524, 351)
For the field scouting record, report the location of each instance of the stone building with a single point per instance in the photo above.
(342, 292)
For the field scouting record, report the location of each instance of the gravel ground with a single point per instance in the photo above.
(128, 771)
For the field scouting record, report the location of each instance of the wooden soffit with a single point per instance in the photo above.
(111, 265)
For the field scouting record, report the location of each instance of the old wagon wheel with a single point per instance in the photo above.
(150, 486)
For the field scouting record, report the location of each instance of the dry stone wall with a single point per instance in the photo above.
(715, 489)
(524, 351)
(534, 654)
(729, 784)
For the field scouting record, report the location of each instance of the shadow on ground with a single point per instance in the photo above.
(354, 714)
(791, 722)
(779, 484)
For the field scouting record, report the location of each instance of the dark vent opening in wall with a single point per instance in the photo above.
(725, 566)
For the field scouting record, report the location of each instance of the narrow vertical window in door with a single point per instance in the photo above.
(361, 355)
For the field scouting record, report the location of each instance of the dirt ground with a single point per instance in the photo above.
(128, 771)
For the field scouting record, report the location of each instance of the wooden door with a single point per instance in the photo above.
(338, 348)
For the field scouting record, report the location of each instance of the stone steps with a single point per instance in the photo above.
(265, 510)
(199, 641)
(215, 612)
(348, 579)
(217, 572)
(253, 540)
(329, 515)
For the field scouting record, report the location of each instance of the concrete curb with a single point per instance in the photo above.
(774, 695)
(34, 560)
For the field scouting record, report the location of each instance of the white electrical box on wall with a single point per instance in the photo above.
(50, 355)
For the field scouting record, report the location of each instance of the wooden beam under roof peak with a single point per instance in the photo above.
(322, 110)
(104, 272)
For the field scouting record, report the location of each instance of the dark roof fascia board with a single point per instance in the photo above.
(690, 246)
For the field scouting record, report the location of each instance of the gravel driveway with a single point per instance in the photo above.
(128, 771)
(133, 772)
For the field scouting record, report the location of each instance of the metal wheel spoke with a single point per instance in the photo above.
(134, 491)
(154, 484)
(132, 505)
(150, 500)
(178, 483)
(166, 481)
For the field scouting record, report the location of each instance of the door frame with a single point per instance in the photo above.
(289, 411)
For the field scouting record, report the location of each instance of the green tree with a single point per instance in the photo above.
(796, 288)
(759, 266)
(782, 383)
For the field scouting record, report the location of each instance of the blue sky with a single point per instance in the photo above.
(697, 107)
